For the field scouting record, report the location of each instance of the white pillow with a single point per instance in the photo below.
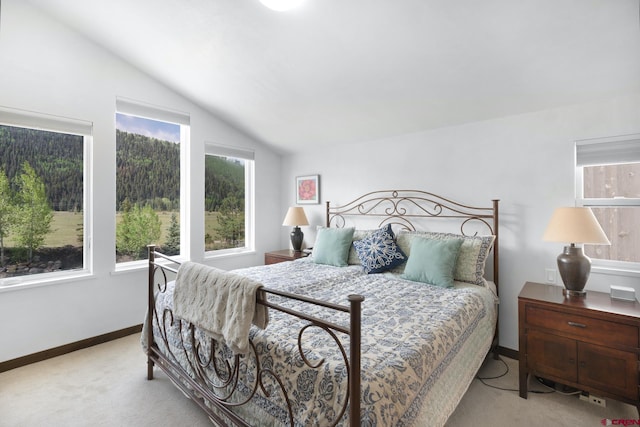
(471, 259)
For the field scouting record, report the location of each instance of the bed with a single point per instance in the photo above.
(364, 342)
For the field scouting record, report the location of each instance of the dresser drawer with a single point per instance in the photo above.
(587, 328)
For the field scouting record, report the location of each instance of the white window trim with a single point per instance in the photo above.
(249, 189)
(48, 122)
(44, 279)
(612, 268)
(598, 151)
(185, 192)
(149, 111)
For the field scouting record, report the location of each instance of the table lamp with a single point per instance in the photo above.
(574, 225)
(296, 217)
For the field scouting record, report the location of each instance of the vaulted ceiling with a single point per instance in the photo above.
(340, 71)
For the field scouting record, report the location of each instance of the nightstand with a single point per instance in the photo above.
(281, 256)
(591, 343)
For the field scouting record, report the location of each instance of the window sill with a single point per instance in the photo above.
(226, 253)
(29, 281)
(143, 264)
(130, 266)
(134, 266)
(615, 271)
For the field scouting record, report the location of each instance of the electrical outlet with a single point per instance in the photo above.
(550, 274)
(593, 399)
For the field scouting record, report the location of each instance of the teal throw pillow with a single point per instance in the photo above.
(332, 246)
(432, 261)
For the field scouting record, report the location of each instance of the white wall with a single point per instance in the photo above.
(46, 68)
(526, 161)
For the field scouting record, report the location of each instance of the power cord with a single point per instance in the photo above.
(482, 380)
(555, 390)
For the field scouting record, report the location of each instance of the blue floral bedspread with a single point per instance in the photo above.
(410, 333)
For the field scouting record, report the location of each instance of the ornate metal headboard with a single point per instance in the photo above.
(406, 207)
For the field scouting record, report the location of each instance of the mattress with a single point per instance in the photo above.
(421, 347)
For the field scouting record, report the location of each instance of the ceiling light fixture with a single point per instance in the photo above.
(281, 5)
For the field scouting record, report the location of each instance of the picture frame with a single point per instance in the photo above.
(308, 189)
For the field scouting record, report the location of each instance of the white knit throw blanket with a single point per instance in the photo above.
(222, 304)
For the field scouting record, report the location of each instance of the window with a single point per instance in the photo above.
(228, 199)
(44, 221)
(149, 150)
(608, 175)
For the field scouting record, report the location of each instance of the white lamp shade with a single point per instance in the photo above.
(575, 225)
(295, 217)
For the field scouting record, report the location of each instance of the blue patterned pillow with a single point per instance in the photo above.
(378, 252)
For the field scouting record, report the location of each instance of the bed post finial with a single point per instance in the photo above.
(328, 220)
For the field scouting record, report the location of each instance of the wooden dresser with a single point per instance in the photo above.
(591, 343)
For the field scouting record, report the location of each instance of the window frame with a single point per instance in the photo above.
(213, 149)
(607, 151)
(58, 124)
(145, 110)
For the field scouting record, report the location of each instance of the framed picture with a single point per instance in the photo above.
(308, 189)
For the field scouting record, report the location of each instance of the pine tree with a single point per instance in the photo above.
(172, 246)
(231, 221)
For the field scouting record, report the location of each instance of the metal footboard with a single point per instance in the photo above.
(217, 384)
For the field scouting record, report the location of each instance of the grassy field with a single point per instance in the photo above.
(67, 227)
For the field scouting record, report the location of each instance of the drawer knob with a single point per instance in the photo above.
(577, 325)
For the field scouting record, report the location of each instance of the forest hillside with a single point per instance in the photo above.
(148, 169)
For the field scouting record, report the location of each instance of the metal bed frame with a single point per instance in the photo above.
(217, 397)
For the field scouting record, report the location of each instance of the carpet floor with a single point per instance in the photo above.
(106, 385)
